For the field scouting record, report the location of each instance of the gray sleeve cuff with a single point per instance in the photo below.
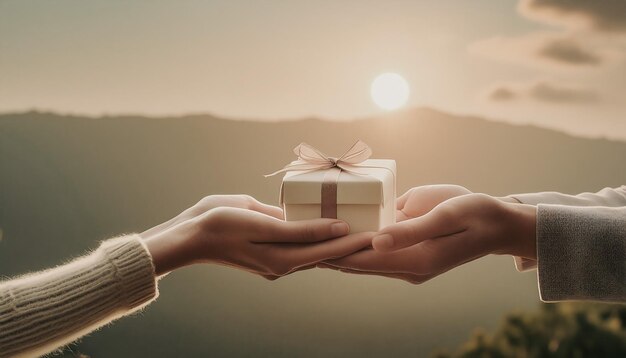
(581, 252)
(609, 197)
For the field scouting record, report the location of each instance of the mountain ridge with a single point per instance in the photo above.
(409, 112)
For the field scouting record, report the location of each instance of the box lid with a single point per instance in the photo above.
(377, 181)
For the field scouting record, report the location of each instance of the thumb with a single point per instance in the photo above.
(440, 222)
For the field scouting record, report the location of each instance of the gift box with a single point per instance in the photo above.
(352, 188)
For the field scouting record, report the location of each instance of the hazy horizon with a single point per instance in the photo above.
(389, 115)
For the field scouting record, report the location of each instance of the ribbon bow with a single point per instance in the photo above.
(311, 159)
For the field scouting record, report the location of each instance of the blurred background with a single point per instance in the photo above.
(116, 116)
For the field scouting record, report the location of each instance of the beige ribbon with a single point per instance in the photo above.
(311, 159)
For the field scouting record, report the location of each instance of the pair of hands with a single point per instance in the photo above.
(439, 227)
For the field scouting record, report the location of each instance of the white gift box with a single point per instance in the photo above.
(366, 201)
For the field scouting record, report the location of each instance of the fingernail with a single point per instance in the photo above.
(384, 241)
(339, 229)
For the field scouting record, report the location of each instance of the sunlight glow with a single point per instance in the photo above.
(390, 91)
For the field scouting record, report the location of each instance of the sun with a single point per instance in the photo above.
(390, 91)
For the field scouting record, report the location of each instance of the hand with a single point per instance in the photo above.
(211, 202)
(455, 231)
(422, 199)
(241, 232)
(415, 202)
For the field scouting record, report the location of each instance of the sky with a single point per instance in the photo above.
(554, 63)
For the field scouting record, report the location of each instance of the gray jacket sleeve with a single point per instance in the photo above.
(581, 245)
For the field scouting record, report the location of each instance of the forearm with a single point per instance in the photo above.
(43, 311)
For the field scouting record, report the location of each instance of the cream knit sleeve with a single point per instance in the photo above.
(43, 311)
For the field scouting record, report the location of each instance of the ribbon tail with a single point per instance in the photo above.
(284, 170)
(301, 166)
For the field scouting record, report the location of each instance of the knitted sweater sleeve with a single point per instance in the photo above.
(581, 245)
(43, 311)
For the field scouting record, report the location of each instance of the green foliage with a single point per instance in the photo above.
(556, 330)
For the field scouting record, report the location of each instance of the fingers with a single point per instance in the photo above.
(371, 260)
(426, 259)
(305, 231)
(402, 199)
(330, 249)
(262, 228)
(422, 259)
(401, 216)
(438, 222)
(282, 259)
(400, 203)
(213, 201)
(414, 279)
(266, 209)
(271, 277)
(270, 210)
(296, 257)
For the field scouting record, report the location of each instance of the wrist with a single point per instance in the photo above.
(172, 248)
(522, 237)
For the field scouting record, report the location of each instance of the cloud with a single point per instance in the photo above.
(541, 49)
(502, 94)
(542, 91)
(568, 51)
(597, 15)
(593, 35)
(549, 92)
